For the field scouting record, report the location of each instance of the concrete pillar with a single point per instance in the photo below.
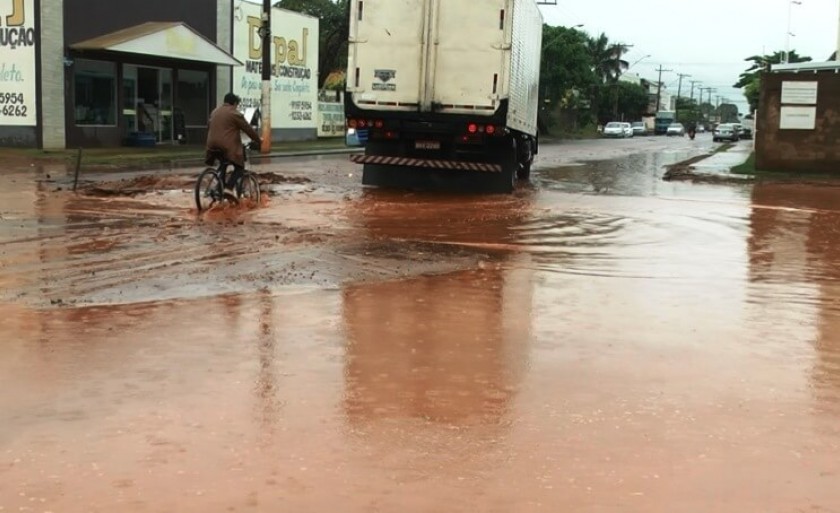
(224, 38)
(52, 74)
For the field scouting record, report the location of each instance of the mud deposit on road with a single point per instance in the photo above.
(601, 340)
(146, 184)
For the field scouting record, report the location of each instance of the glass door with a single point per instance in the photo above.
(129, 95)
(165, 129)
(147, 101)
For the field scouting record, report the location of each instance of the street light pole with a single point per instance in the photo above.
(789, 33)
(837, 54)
(637, 61)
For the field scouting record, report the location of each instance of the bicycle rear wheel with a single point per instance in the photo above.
(249, 190)
(208, 189)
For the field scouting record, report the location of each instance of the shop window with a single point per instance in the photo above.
(95, 84)
(193, 96)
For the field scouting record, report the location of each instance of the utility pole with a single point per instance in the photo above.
(659, 87)
(679, 92)
(267, 73)
(693, 83)
(695, 110)
(708, 90)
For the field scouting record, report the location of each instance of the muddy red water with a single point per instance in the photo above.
(599, 341)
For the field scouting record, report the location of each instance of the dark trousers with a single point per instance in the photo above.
(230, 180)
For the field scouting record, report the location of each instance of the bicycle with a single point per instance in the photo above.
(209, 188)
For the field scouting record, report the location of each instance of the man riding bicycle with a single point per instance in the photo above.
(226, 122)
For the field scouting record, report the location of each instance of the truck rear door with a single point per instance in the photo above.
(387, 52)
(467, 65)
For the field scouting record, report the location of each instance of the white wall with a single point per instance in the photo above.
(294, 99)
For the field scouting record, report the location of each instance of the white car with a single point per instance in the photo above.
(675, 129)
(617, 129)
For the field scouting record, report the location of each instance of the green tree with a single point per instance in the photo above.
(750, 80)
(334, 25)
(688, 111)
(566, 69)
(622, 100)
(728, 113)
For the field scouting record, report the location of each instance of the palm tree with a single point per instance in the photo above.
(750, 80)
(606, 58)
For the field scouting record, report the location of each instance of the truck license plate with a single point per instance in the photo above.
(427, 145)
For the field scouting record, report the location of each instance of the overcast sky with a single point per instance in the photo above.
(708, 39)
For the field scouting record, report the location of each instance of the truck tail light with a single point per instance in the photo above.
(362, 123)
(472, 128)
(378, 123)
(351, 123)
(490, 129)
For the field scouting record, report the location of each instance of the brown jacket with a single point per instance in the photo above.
(223, 133)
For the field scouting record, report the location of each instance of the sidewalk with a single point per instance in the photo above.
(722, 162)
(131, 157)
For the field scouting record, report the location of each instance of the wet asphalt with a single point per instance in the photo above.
(600, 340)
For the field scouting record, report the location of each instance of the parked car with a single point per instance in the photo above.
(615, 129)
(725, 132)
(744, 132)
(675, 129)
(701, 129)
(628, 129)
(639, 128)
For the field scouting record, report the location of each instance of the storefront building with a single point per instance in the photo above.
(90, 73)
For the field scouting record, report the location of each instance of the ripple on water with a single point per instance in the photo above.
(634, 244)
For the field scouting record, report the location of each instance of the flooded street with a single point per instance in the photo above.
(601, 341)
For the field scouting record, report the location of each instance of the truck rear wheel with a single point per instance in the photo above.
(524, 158)
(524, 171)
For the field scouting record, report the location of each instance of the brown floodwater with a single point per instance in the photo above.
(598, 341)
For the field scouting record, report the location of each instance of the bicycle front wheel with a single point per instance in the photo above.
(208, 189)
(249, 190)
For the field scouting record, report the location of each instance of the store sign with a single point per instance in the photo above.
(330, 119)
(294, 64)
(798, 118)
(17, 63)
(799, 93)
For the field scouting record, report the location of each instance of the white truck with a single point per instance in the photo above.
(447, 89)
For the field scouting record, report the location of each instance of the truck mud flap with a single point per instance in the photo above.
(430, 163)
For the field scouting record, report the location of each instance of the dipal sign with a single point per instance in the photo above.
(288, 51)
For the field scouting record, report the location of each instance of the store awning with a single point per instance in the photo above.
(172, 40)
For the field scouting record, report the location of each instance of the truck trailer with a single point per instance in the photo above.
(447, 89)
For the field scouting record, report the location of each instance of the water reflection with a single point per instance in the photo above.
(447, 349)
(795, 268)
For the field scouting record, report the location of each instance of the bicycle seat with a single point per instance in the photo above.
(216, 154)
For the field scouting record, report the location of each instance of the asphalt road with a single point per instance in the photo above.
(599, 340)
